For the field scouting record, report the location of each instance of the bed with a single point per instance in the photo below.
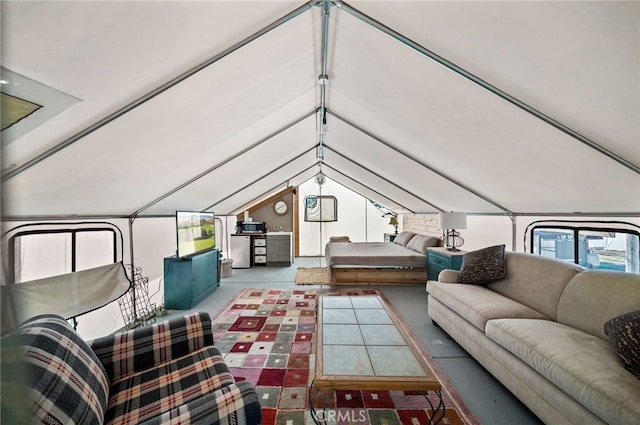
(401, 261)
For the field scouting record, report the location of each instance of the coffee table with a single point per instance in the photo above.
(362, 345)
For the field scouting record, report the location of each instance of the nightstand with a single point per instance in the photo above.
(389, 237)
(439, 259)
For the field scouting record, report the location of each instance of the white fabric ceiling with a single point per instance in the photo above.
(404, 130)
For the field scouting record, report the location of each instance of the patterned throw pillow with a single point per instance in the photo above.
(483, 266)
(624, 332)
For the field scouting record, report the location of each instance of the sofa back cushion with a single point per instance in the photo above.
(535, 281)
(594, 297)
(67, 384)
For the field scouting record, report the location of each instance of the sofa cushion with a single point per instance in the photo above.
(67, 382)
(234, 404)
(483, 266)
(403, 238)
(420, 243)
(595, 296)
(147, 394)
(582, 365)
(624, 332)
(535, 281)
(478, 304)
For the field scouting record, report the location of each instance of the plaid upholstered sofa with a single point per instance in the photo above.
(169, 372)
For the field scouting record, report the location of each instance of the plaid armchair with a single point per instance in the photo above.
(168, 372)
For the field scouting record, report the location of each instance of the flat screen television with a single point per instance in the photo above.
(196, 232)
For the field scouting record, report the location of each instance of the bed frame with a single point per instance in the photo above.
(377, 276)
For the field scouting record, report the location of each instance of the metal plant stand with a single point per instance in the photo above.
(135, 306)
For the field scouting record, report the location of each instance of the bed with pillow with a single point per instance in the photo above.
(401, 261)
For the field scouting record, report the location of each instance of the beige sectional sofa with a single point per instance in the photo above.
(540, 331)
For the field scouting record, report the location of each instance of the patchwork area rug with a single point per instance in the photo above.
(267, 337)
(312, 276)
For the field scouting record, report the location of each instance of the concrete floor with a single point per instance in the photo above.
(486, 397)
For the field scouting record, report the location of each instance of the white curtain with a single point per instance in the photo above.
(42, 255)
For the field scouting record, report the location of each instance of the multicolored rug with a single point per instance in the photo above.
(267, 336)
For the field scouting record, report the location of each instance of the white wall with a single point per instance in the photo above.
(485, 231)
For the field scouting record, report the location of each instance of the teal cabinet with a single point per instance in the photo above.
(187, 281)
(439, 259)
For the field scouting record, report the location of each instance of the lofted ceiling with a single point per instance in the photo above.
(483, 107)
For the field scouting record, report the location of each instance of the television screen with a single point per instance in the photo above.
(196, 232)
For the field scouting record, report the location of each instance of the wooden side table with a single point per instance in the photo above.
(389, 237)
(439, 259)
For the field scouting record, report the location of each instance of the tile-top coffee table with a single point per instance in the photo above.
(362, 345)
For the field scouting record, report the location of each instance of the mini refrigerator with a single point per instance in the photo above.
(241, 251)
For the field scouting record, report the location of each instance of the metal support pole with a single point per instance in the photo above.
(133, 268)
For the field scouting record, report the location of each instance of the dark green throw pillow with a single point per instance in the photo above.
(624, 332)
(483, 266)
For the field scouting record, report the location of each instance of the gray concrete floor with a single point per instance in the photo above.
(485, 396)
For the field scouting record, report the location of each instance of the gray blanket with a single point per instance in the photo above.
(372, 254)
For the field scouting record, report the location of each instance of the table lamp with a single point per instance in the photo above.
(450, 221)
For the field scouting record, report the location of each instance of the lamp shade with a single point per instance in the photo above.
(453, 220)
(393, 220)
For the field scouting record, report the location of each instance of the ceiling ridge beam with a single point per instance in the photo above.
(273, 170)
(367, 187)
(486, 85)
(223, 162)
(385, 179)
(155, 92)
(421, 163)
(323, 80)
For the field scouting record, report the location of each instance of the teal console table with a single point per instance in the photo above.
(187, 281)
(439, 259)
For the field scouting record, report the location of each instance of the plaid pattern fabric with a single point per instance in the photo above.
(166, 373)
(230, 405)
(67, 382)
(129, 352)
(149, 393)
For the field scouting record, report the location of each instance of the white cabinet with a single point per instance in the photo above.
(260, 250)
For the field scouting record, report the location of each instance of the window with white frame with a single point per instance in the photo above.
(36, 254)
(595, 245)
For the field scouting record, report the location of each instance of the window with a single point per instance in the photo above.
(595, 245)
(320, 208)
(36, 253)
